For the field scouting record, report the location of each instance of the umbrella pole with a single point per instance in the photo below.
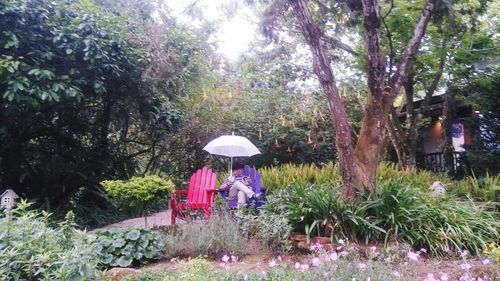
(231, 167)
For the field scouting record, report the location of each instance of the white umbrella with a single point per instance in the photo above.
(231, 146)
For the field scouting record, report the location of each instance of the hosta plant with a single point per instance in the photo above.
(125, 246)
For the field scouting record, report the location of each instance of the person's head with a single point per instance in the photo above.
(238, 168)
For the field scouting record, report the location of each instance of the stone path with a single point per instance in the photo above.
(157, 219)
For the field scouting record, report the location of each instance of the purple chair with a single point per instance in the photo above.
(257, 187)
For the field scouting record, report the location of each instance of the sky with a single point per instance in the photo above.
(235, 33)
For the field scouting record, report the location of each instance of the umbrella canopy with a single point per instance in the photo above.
(231, 146)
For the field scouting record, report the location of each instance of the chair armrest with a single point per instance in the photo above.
(180, 191)
(178, 194)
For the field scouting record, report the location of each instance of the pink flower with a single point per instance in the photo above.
(316, 261)
(272, 263)
(264, 273)
(430, 277)
(234, 259)
(464, 253)
(304, 267)
(423, 250)
(373, 249)
(341, 241)
(362, 265)
(396, 273)
(334, 256)
(316, 246)
(413, 256)
(444, 277)
(485, 261)
(279, 258)
(225, 258)
(465, 266)
(297, 265)
(344, 253)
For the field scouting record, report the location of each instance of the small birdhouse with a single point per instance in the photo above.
(8, 199)
(437, 188)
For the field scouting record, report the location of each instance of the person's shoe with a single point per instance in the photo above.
(257, 197)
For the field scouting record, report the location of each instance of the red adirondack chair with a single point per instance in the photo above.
(199, 196)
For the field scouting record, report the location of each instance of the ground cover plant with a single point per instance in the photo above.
(321, 267)
(126, 246)
(34, 248)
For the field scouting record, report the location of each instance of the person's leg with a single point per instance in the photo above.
(239, 186)
(242, 199)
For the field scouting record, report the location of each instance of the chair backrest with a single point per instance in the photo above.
(199, 182)
(252, 173)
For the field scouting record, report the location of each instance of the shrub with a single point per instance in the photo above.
(320, 206)
(134, 196)
(276, 178)
(32, 249)
(444, 225)
(271, 229)
(485, 188)
(124, 246)
(214, 237)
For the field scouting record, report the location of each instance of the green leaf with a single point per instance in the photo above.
(133, 234)
(124, 261)
(118, 243)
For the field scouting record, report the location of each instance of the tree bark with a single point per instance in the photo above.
(322, 69)
(359, 163)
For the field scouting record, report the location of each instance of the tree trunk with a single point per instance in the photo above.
(359, 164)
(322, 69)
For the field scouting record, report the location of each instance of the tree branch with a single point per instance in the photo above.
(375, 60)
(411, 48)
(392, 54)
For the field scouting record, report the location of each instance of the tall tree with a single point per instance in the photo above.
(359, 160)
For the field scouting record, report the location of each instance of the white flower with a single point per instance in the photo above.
(225, 258)
(412, 256)
(344, 253)
(233, 258)
(272, 263)
(279, 258)
(334, 256)
(423, 250)
(373, 249)
(485, 261)
(396, 273)
(316, 261)
(264, 272)
(341, 241)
